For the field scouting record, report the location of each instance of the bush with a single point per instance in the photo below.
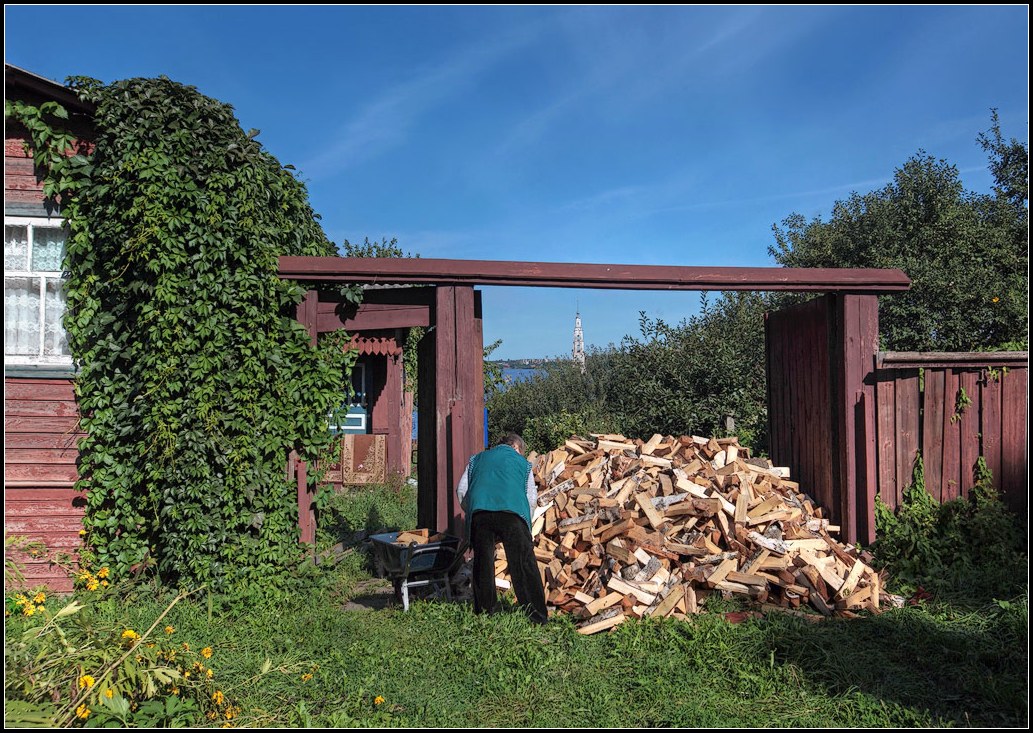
(972, 547)
(541, 408)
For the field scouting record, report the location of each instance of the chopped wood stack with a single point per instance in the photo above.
(627, 528)
(419, 536)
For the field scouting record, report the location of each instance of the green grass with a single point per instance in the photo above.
(440, 665)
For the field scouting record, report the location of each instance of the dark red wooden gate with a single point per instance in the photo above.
(849, 421)
(821, 399)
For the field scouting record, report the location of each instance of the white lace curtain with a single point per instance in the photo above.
(34, 300)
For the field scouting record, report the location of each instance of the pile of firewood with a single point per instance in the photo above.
(630, 529)
(419, 536)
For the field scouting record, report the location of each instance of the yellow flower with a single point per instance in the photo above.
(109, 693)
(995, 299)
(86, 681)
(28, 610)
(104, 583)
(206, 652)
(82, 712)
(170, 629)
(130, 635)
(218, 697)
(92, 584)
(174, 690)
(306, 677)
(82, 532)
(209, 674)
(40, 597)
(21, 600)
(103, 572)
(378, 700)
(186, 647)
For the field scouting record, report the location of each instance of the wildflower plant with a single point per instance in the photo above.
(63, 669)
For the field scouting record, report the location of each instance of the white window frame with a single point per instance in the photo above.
(45, 277)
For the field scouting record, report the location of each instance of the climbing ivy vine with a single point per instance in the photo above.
(194, 379)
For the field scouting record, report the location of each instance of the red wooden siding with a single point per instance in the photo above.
(20, 182)
(913, 419)
(40, 452)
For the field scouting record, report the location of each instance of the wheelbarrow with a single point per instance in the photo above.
(417, 565)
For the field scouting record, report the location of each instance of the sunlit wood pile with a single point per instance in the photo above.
(631, 528)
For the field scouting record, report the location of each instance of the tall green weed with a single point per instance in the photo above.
(970, 547)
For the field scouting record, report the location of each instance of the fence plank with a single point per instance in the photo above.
(932, 432)
(990, 422)
(1014, 464)
(908, 419)
(886, 429)
(950, 482)
(970, 428)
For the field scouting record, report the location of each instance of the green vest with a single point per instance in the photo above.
(497, 482)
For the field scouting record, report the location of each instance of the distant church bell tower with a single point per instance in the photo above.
(579, 343)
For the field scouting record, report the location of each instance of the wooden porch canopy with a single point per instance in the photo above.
(451, 386)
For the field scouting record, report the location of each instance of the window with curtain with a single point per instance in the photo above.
(34, 299)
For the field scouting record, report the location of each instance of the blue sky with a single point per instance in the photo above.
(673, 135)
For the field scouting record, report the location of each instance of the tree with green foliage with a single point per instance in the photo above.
(699, 377)
(194, 379)
(383, 248)
(967, 254)
(551, 406)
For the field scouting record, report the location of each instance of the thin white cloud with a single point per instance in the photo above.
(386, 121)
(629, 59)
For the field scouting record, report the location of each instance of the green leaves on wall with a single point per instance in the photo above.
(195, 380)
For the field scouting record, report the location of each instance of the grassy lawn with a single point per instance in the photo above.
(304, 661)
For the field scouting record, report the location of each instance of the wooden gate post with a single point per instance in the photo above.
(855, 344)
(451, 412)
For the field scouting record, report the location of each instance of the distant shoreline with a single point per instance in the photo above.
(522, 363)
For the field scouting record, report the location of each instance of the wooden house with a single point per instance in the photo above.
(40, 417)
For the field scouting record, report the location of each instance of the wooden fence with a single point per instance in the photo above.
(849, 421)
(952, 408)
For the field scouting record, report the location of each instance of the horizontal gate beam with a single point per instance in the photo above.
(451, 273)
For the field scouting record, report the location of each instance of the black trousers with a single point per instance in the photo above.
(487, 528)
